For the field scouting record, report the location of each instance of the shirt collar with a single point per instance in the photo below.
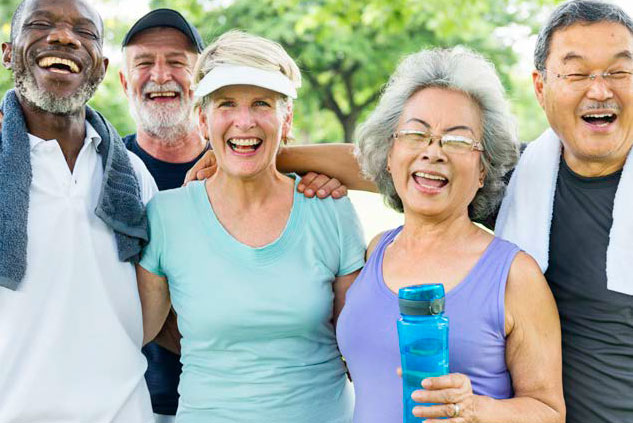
(92, 136)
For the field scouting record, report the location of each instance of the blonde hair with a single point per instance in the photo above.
(241, 48)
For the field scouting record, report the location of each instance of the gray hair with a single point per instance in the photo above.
(457, 69)
(572, 12)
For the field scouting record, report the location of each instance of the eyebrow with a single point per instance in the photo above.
(451, 129)
(49, 15)
(624, 54)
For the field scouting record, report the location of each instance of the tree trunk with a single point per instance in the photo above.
(349, 126)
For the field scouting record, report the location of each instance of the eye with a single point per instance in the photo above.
(576, 76)
(261, 103)
(225, 104)
(39, 24)
(87, 33)
(619, 74)
(177, 64)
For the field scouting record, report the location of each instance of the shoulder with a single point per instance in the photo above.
(146, 181)
(526, 289)
(373, 243)
(129, 141)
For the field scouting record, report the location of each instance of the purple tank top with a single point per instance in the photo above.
(367, 336)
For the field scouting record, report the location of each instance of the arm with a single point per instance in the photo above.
(340, 286)
(169, 336)
(533, 357)
(155, 302)
(334, 160)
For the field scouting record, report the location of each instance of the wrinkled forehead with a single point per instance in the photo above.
(71, 10)
(596, 43)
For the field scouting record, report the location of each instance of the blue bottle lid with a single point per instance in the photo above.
(421, 300)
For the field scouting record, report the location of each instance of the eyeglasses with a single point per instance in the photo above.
(450, 144)
(582, 81)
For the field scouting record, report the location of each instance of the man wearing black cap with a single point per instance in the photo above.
(160, 51)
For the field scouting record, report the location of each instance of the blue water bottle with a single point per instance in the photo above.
(423, 337)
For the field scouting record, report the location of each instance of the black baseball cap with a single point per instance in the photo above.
(169, 18)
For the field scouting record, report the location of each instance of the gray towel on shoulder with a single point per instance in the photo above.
(120, 205)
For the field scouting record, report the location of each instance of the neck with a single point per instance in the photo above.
(181, 150)
(68, 130)
(593, 169)
(248, 193)
(436, 233)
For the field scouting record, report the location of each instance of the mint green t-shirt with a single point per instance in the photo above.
(258, 343)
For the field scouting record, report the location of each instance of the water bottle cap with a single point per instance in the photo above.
(421, 300)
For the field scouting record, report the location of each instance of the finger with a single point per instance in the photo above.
(453, 380)
(442, 396)
(433, 411)
(399, 371)
(205, 173)
(316, 184)
(453, 420)
(326, 189)
(340, 192)
(305, 182)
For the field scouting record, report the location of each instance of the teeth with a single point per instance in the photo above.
(600, 116)
(244, 141)
(47, 62)
(162, 94)
(429, 176)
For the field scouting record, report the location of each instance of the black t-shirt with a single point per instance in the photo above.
(597, 324)
(163, 367)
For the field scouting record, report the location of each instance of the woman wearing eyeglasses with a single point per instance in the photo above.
(437, 146)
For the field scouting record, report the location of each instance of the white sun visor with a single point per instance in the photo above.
(224, 75)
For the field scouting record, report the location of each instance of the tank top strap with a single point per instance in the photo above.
(376, 257)
(486, 282)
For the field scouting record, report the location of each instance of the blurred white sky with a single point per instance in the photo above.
(374, 215)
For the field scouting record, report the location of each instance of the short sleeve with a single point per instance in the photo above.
(151, 258)
(351, 239)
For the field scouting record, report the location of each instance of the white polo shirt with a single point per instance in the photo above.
(71, 335)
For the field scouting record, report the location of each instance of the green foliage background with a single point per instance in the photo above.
(346, 50)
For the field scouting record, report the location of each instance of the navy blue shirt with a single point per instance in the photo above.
(163, 366)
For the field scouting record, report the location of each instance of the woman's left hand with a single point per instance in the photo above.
(453, 395)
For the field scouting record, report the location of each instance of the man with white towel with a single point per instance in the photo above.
(569, 202)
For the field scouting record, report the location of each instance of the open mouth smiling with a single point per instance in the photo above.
(601, 119)
(433, 181)
(162, 95)
(59, 65)
(244, 145)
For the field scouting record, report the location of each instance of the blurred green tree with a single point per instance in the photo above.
(348, 48)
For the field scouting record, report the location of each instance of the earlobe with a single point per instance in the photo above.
(538, 83)
(202, 124)
(6, 55)
(123, 82)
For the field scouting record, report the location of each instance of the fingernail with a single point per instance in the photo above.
(309, 192)
(320, 193)
(426, 383)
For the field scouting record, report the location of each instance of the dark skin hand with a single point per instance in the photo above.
(67, 29)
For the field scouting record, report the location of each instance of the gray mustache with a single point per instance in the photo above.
(600, 106)
(152, 87)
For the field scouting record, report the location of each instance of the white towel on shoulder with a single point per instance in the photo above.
(525, 217)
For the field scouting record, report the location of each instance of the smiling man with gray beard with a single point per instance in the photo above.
(160, 51)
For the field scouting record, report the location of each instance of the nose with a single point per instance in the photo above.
(244, 118)
(160, 73)
(433, 152)
(599, 89)
(64, 36)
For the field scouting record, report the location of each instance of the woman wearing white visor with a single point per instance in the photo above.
(254, 270)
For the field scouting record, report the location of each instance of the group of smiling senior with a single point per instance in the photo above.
(259, 274)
